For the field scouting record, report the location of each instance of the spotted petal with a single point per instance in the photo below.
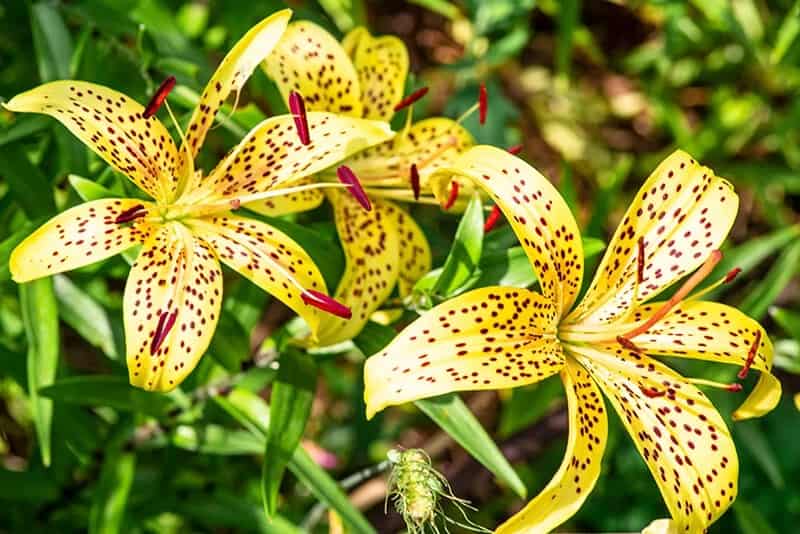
(272, 154)
(112, 125)
(580, 469)
(718, 333)
(311, 61)
(79, 236)
(296, 202)
(370, 242)
(489, 338)
(232, 73)
(382, 67)
(268, 257)
(679, 433)
(682, 213)
(537, 213)
(171, 304)
(414, 253)
(429, 144)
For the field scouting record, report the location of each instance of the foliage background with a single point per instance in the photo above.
(597, 93)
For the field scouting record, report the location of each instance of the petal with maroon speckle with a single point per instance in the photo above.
(682, 213)
(580, 469)
(311, 61)
(489, 338)
(231, 75)
(112, 125)
(718, 333)
(84, 234)
(271, 154)
(382, 67)
(679, 433)
(296, 202)
(414, 253)
(266, 256)
(537, 213)
(370, 243)
(171, 306)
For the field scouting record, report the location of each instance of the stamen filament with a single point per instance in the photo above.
(159, 97)
(472, 109)
(298, 109)
(492, 219)
(200, 210)
(733, 388)
(751, 355)
(348, 177)
(410, 99)
(727, 279)
(325, 303)
(679, 295)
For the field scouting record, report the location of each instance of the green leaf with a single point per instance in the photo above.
(292, 395)
(40, 315)
(453, 416)
(216, 439)
(51, 41)
(89, 189)
(108, 390)
(252, 412)
(761, 297)
(28, 185)
(230, 345)
(31, 485)
(85, 315)
(528, 404)
(750, 519)
(568, 15)
(225, 511)
(24, 126)
(111, 492)
(789, 320)
(787, 34)
(465, 253)
(750, 435)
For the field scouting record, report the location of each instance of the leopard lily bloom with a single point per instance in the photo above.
(365, 76)
(500, 337)
(173, 293)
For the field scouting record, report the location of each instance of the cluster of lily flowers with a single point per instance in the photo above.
(337, 146)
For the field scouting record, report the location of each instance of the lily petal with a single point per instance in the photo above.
(231, 75)
(679, 433)
(296, 202)
(714, 332)
(311, 61)
(580, 469)
(413, 250)
(489, 338)
(84, 234)
(112, 125)
(266, 256)
(271, 154)
(382, 67)
(371, 246)
(171, 305)
(429, 144)
(537, 213)
(682, 213)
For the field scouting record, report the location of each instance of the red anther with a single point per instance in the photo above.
(652, 393)
(236, 204)
(640, 262)
(733, 273)
(516, 149)
(415, 181)
(453, 195)
(298, 109)
(130, 214)
(410, 99)
(325, 303)
(734, 388)
(751, 355)
(348, 177)
(628, 344)
(165, 323)
(159, 97)
(492, 219)
(483, 103)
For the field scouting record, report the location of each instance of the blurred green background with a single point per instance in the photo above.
(596, 92)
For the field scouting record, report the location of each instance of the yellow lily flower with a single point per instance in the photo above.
(500, 337)
(174, 291)
(364, 76)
